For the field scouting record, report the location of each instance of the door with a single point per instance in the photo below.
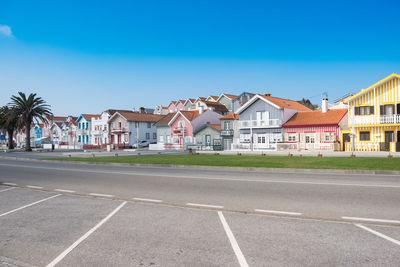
(389, 137)
(227, 144)
(208, 140)
(345, 139)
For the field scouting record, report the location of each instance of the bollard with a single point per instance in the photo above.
(262, 154)
(216, 153)
(319, 155)
(352, 155)
(239, 154)
(290, 155)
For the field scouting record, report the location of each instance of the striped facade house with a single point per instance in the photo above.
(374, 117)
(319, 130)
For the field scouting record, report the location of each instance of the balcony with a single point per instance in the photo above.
(371, 119)
(227, 132)
(259, 124)
(119, 130)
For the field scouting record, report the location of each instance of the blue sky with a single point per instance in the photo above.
(87, 56)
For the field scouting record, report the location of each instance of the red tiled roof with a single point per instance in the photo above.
(182, 101)
(90, 116)
(190, 114)
(192, 100)
(202, 98)
(213, 97)
(286, 103)
(216, 126)
(230, 116)
(137, 116)
(58, 118)
(231, 96)
(165, 119)
(316, 118)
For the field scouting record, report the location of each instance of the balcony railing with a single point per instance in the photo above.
(227, 132)
(259, 123)
(371, 119)
(119, 129)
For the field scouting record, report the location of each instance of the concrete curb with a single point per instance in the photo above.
(217, 168)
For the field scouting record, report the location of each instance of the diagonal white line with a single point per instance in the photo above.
(26, 206)
(397, 242)
(239, 255)
(10, 188)
(82, 238)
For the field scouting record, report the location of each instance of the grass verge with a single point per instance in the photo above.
(256, 161)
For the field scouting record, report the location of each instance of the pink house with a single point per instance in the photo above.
(172, 107)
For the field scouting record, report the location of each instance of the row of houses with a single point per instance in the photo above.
(366, 121)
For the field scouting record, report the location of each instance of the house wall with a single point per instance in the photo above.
(189, 106)
(188, 129)
(200, 137)
(84, 131)
(240, 101)
(101, 135)
(227, 102)
(163, 131)
(259, 105)
(179, 106)
(171, 108)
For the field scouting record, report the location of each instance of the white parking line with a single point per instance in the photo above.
(279, 212)
(64, 190)
(82, 238)
(239, 255)
(147, 199)
(26, 206)
(100, 195)
(397, 242)
(7, 189)
(12, 184)
(370, 220)
(34, 187)
(205, 205)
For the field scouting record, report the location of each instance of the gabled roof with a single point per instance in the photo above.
(165, 119)
(214, 97)
(112, 111)
(139, 117)
(216, 127)
(228, 96)
(191, 100)
(218, 107)
(200, 98)
(188, 114)
(366, 90)
(57, 118)
(182, 101)
(279, 103)
(230, 116)
(316, 118)
(90, 116)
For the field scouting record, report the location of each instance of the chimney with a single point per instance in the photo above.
(267, 94)
(324, 106)
(142, 110)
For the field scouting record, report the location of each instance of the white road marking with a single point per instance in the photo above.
(216, 178)
(279, 212)
(34, 187)
(7, 189)
(100, 195)
(82, 238)
(205, 205)
(26, 206)
(64, 190)
(370, 220)
(397, 242)
(239, 255)
(147, 199)
(12, 184)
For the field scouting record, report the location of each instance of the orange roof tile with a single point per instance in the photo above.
(230, 116)
(137, 116)
(90, 116)
(214, 97)
(165, 119)
(286, 103)
(231, 96)
(316, 118)
(216, 126)
(190, 114)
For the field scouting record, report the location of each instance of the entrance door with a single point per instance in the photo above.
(227, 144)
(389, 137)
(208, 140)
(345, 139)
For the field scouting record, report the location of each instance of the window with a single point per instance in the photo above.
(227, 125)
(79, 138)
(387, 110)
(79, 125)
(328, 137)
(161, 139)
(120, 125)
(310, 138)
(292, 137)
(126, 138)
(181, 123)
(147, 136)
(366, 110)
(105, 127)
(365, 136)
(87, 125)
(154, 135)
(261, 140)
(149, 125)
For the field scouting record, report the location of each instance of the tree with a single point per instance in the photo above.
(307, 103)
(9, 122)
(29, 108)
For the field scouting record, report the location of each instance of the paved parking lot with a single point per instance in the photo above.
(43, 228)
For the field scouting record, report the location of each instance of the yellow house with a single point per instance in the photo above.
(374, 117)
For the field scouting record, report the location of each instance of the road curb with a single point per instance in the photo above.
(220, 168)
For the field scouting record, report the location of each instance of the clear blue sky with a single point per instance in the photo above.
(87, 56)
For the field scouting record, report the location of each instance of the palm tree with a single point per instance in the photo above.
(9, 122)
(30, 108)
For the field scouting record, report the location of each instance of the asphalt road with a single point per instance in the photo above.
(93, 215)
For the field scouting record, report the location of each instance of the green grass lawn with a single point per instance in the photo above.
(257, 161)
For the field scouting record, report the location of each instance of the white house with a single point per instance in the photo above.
(84, 122)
